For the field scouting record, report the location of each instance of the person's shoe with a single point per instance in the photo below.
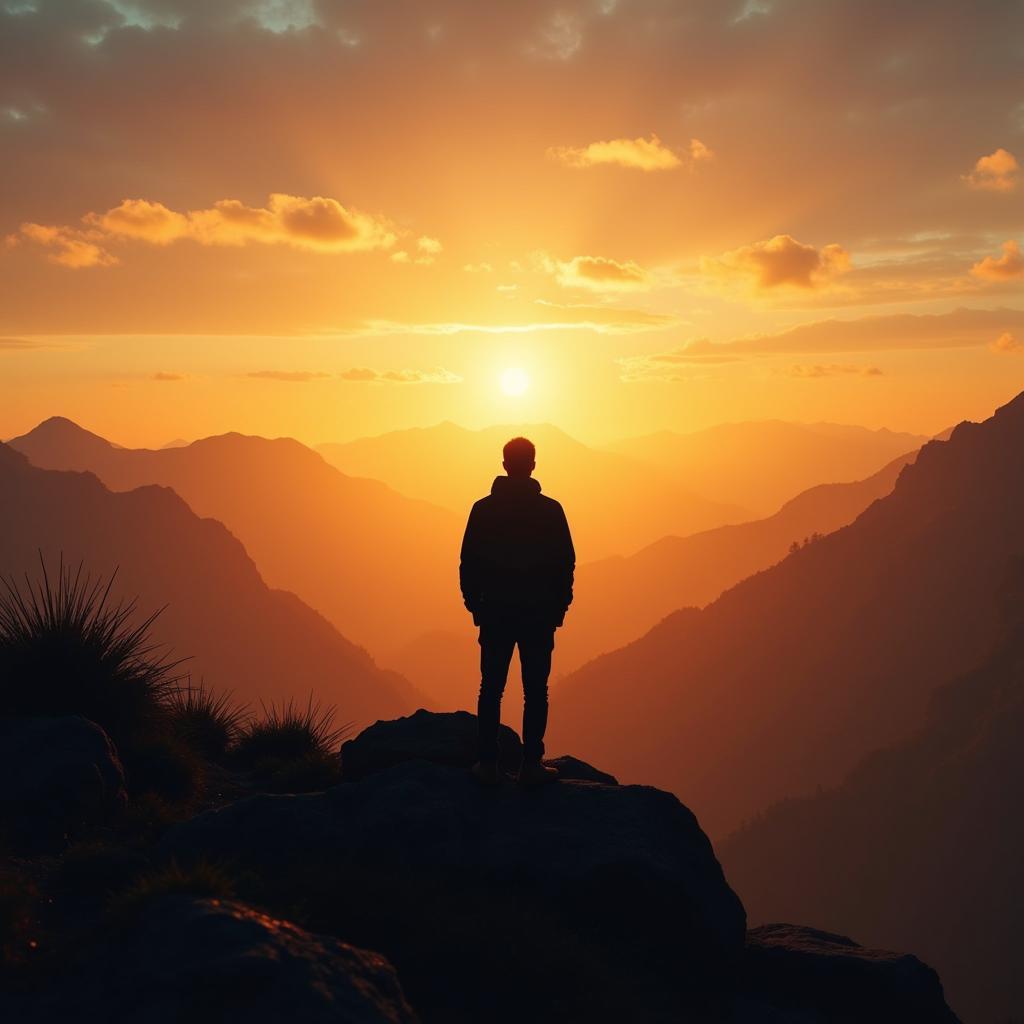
(486, 773)
(536, 773)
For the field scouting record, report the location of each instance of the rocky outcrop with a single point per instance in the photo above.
(446, 738)
(830, 979)
(56, 774)
(206, 961)
(622, 861)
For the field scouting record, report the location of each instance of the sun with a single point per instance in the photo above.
(515, 381)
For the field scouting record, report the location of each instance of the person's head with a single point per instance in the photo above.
(519, 457)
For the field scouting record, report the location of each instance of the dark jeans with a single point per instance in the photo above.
(498, 638)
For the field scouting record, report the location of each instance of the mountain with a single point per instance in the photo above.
(946, 878)
(262, 643)
(380, 566)
(680, 572)
(790, 677)
(761, 465)
(616, 504)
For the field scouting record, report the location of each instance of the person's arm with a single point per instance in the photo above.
(565, 563)
(469, 563)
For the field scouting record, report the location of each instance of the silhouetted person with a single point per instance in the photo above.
(516, 575)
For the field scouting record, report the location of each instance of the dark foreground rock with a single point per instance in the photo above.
(55, 775)
(446, 738)
(206, 961)
(815, 977)
(627, 862)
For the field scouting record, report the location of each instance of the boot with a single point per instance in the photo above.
(536, 773)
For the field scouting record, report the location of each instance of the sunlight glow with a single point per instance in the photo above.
(515, 381)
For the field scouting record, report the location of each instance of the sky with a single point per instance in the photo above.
(332, 218)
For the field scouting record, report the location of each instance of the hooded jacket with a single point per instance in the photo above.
(517, 553)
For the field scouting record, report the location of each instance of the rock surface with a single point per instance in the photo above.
(627, 862)
(813, 976)
(55, 774)
(206, 961)
(447, 738)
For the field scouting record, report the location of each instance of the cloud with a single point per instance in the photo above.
(289, 376)
(640, 154)
(997, 172)
(478, 268)
(699, 153)
(163, 375)
(143, 220)
(427, 247)
(596, 273)
(1002, 268)
(15, 344)
(1005, 343)
(315, 224)
(960, 328)
(818, 370)
(71, 249)
(537, 316)
(365, 375)
(779, 261)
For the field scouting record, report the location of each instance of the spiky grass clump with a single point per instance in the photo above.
(208, 722)
(67, 649)
(291, 748)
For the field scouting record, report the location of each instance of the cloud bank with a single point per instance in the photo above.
(314, 224)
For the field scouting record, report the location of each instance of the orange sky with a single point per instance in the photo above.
(327, 219)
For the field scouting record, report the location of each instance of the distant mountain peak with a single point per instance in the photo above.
(59, 430)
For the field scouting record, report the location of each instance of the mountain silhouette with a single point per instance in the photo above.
(616, 504)
(672, 573)
(262, 643)
(790, 677)
(619, 599)
(922, 843)
(760, 465)
(379, 565)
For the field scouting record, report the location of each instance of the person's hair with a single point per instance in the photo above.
(519, 454)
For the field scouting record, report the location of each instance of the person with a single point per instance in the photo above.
(516, 573)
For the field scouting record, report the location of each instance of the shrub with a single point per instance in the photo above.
(66, 649)
(287, 732)
(291, 749)
(207, 721)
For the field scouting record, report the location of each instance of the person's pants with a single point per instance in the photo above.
(536, 641)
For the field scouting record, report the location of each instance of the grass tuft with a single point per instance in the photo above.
(292, 749)
(208, 722)
(288, 732)
(202, 878)
(67, 649)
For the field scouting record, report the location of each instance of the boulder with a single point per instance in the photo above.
(628, 864)
(56, 774)
(447, 738)
(206, 961)
(816, 977)
(572, 768)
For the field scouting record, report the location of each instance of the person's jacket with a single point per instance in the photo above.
(517, 554)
